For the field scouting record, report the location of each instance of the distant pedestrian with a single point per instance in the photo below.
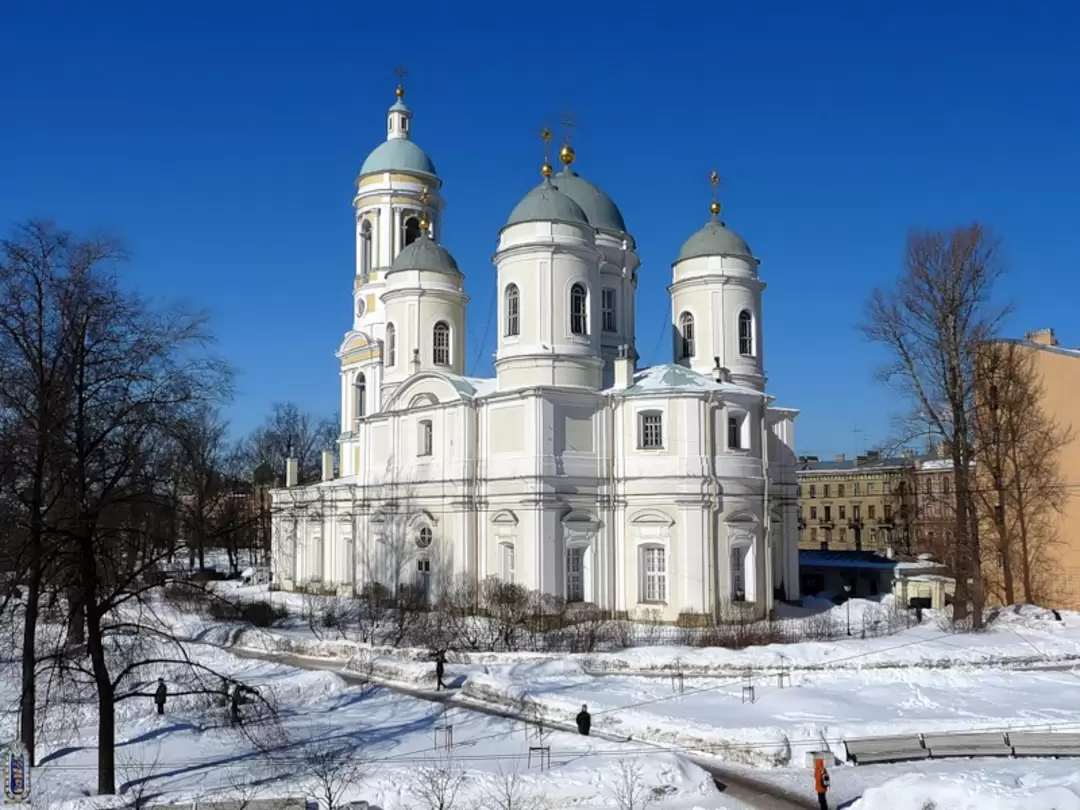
(234, 706)
(584, 720)
(160, 694)
(821, 783)
(440, 670)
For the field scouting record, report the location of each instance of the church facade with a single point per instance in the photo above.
(571, 471)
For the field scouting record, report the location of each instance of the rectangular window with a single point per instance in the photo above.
(856, 512)
(826, 487)
(800, 490)
(873, 537)
(738, 573)
(575, 574)
(843, 512)
(855, 490)
(423, 576)
(508, 562)
(870, 488)
(651, 430)
(945, 488)
(734, 433)
(813, 513)
(871, 511)
(654, 565)
(607, 309)
(828, 513)
(813, 491)
(886, 487)
(888, 511)
(840, 491)
(424, 438)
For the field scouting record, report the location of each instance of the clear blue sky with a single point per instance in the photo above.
(221, 141)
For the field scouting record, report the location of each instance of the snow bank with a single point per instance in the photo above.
(975, 791)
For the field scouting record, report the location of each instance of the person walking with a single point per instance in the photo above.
(821, 783)
(440, 670)
(234, 705)
(160, 694)
(584, 720)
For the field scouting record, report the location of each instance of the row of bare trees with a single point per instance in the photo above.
(117, 465)
(940, 325)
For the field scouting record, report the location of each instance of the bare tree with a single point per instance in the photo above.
(334, 767)
(1018, 449)
(438, 784)
(629, 790)
(291, 433)
(509, 791)
(932, 322)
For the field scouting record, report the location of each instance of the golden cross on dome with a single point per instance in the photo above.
(715, 181)
(545, 136)
(401, 73)
(566, 154)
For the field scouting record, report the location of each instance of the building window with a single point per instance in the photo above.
(824, 545)
(827, 490)
(843, 512)
(839, 490)
(404, 124)
(738, 573)
(734, 433)
(855, 490)
(391, 345)
(813, 490)
(798, 489)
(424, 438)
(828, 514)
(654, 574)
(886, 487)
(575, 574)
(513, 311)
(871, 511)
(423, 577)
(813, 513)
(410, 231)
(746, 333)
(870, 488)
(813, 535)
(888, 511)
(945, 489)
(361, 395)
(856, 512)
(579, 303)
(441, 343)
(607, 310)
(508, 561)
(843, 536)
(686, 334)
(650, 430)
(424, 537)
(365, 249)
(873, 538)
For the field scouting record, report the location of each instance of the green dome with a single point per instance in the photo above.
(714, 240)
(599, 208)
(545, 203)
(423, 254)
(398, 155)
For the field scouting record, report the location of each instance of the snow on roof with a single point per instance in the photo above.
(937, 464)
(472, 387)
(672, 377)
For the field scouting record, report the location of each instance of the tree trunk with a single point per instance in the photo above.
(96, 648)
(1004, 547)
(1025, 562)
(76, 616)
(28, 697)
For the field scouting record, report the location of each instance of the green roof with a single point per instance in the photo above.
(599, 208)
(423, 254)
(398, 155)
(714, 239)
(545, 203)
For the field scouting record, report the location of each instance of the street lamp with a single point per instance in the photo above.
(847, 590)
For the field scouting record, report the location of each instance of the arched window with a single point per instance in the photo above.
(686, 333)
(411, 231)
(361, 395)
(746, 333)
(513, 311)
(579, 302)
(391, 345)
(441, 344)
(365, 248)
(424, 537)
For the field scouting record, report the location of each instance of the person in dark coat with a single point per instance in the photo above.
(234, 705)
(584, 720)
(160, 694)
(440, 670)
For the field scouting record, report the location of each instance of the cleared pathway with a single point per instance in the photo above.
(757, 793)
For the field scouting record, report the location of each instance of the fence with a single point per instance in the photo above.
(908, 747)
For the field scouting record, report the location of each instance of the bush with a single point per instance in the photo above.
(206, 575)
(186, 597)
(260, 614)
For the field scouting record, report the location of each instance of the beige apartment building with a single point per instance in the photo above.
(859, 504)
(1059, 558)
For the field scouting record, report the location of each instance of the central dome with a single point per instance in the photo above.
(599, 208)
(398, 155)
(423, 254)
(545, 203)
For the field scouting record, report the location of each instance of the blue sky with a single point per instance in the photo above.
(221, 141)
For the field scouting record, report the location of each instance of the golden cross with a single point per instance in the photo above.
(714, 181)
(401, 73)
(568, 125)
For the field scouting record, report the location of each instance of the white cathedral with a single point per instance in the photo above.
(571, 471)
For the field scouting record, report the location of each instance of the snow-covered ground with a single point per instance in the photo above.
(190, 753)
